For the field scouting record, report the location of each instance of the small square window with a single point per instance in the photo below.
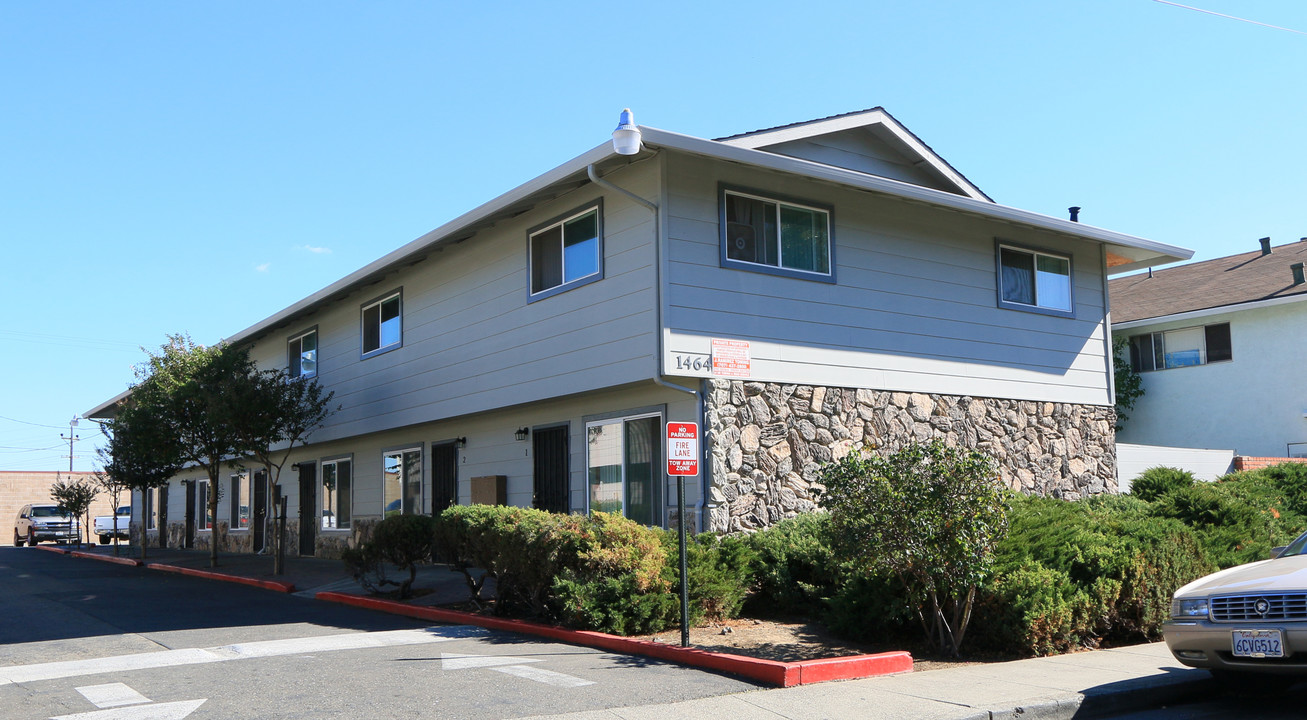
(303, 354)
(772, 235)
(1035, 281)
(382, 328)
(566, 252)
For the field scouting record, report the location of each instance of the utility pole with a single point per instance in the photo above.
(71, 438)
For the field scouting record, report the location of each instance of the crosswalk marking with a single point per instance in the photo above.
(540, 675)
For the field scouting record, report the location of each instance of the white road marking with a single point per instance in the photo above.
(112, 695)
(511, 665)
(540, 675)
(452, 661)
(242, 651)
(159, 711)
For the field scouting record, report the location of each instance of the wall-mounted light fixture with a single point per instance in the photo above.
(626, 138)
(522, 433)
(460, 442)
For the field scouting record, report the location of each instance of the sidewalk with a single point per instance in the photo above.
(1075, 686)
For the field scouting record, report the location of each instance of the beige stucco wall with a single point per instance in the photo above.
(18, 488)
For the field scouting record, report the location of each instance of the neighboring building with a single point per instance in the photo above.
(799, 291)
(1220, 347)
(18, 488)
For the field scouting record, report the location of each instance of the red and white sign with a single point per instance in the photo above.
(682, 448)
(730, 358)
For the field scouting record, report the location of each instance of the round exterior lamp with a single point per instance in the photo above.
(626, 138)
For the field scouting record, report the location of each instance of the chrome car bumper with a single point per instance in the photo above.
(1204, 644)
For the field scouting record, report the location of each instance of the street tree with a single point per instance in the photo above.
(929, 515)
(282, 412)
(74, 497)
(205, 396)
(143, 454)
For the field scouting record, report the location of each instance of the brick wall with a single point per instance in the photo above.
(1244, 462)
(18, 488)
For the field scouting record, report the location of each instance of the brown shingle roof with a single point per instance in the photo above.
(1231, 280)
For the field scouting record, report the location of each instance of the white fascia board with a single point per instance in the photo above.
(907, 191)
(767, 138)
(1208, 312)
(431, 240)
(102, 411)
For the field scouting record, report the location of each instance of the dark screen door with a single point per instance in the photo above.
(549, 451)
(310, 515)
(189, 540)
(444, 477)
(260, 521)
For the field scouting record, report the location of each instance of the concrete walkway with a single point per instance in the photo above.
(1079, 685)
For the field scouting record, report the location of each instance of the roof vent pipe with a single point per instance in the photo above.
(1296, 268)
(1266, 245)
(626, 138)
(1075, 213)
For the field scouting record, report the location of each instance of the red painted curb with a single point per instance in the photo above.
(52, 548)
(771, 672)
(105, 558)
(265, 584)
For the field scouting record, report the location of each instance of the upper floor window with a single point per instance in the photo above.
(382, 325)
(566, 252)
(777, 236)
(1183, 347)
(303, 353)
(1037, 281)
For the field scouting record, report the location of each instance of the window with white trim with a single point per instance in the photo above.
(1031, 280)
(566, 252)
(1182, 347)
(401, 482)
(337, 494)
(624, 467)
(771, 235)
(382, 324)
(302, 351)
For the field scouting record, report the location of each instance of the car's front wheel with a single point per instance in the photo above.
(104, 539)
(18, 541)
(31, 538)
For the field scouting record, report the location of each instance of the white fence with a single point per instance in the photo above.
(1133, 460)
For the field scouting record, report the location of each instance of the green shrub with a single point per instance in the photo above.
(928, 515)
(401, 540)
(794, 568)
(1084, 572)
(720, 570)
(1158, 481)
(1237, 519)
(867, 608)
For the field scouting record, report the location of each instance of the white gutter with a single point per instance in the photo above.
(1208, 312)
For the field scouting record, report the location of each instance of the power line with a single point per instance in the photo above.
(24, 422)
(1230, 17)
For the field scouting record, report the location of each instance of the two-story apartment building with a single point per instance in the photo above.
(799, 291)
(1218, 348)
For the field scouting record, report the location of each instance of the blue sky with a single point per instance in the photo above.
(195, 167)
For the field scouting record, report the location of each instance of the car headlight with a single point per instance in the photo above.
(1189, 608)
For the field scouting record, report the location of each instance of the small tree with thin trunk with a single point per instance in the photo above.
(205, 397)
(74, 497)
(928, 515)
(283, 412)
(142, 453)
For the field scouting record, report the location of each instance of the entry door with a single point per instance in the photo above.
(162, 524)
(549, 453)
(310, 515)
(189, 541)
(260, 521)
(444, 477)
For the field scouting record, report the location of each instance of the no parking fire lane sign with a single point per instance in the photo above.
(682, 448)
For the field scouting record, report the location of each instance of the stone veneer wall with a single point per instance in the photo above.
(327, 544)
(769, 441)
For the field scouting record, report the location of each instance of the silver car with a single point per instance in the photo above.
(1246, 619)
(36, 523)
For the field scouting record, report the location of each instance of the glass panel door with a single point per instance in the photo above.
(624, 460)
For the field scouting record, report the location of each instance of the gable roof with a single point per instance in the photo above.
(1221, 283)
(870, 125)
(1124, 252)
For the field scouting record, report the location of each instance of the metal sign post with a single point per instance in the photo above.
(683, 461)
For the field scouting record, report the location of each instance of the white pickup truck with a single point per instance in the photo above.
(104, 525)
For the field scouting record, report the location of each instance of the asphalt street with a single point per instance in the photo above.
(97, 641)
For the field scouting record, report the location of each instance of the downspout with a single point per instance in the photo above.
(658, 333)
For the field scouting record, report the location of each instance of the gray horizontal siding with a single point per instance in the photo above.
(914, 305)
(472, 342)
